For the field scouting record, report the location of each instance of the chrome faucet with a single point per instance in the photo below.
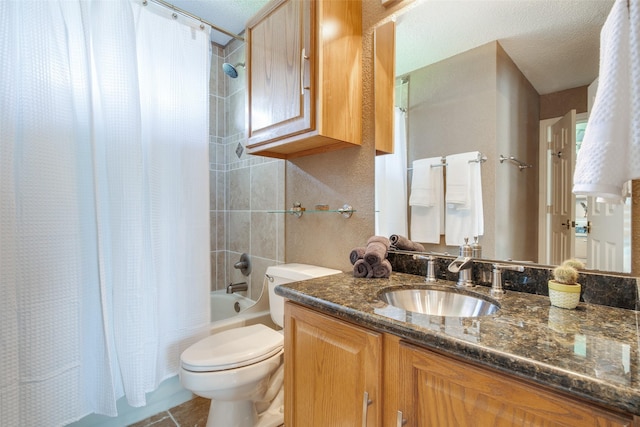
(463, 266)
(496, 281)
(237, 287)
(431, 275)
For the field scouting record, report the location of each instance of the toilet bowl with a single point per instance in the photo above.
(241, 370)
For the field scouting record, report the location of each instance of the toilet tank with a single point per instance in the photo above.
(287, 273)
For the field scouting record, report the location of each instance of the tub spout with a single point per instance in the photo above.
(237, 287)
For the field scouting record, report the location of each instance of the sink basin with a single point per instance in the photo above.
(439, 302)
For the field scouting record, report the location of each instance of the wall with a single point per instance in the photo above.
(327, 240)
(479, 100)
(243, 188)
(557, 104)
(335, 178)
(516, 208)
(452, 109)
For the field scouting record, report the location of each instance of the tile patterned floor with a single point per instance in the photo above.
(192, 413)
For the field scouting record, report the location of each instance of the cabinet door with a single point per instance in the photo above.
(280, 100)
(440, 391)
(329, 366)
(384, 71)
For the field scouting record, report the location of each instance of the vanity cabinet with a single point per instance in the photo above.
(332, 371)
(304, 73)
(437, 390)
(330, 364)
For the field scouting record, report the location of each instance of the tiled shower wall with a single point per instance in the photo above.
(243, 188)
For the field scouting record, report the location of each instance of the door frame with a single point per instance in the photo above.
(544, 238)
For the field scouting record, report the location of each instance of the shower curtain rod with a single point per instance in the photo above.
(204, 21)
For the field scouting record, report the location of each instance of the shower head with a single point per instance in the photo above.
(232, 70)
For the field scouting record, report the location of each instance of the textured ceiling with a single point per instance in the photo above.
(555, 43)
(230, 15)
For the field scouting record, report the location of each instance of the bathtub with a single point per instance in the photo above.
(224, 305)
(235, 310)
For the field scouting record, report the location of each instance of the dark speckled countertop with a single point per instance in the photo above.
(591, 352)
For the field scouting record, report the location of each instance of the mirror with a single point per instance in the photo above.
(513, 66)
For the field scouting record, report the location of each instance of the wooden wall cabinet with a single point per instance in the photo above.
(332, 371)
(384, 70)
(330, 363)
(304, 73)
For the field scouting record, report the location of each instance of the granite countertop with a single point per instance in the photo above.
(591, 352)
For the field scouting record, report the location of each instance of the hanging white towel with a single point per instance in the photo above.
(475, 176)
(610, 152)
(427, 174)
(458, 188)
(464, 220)
(426, 201)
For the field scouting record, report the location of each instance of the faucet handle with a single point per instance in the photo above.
(511, 267)
(431, 275)
(496, 284)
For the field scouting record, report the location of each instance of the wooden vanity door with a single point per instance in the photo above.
(439, 391)
(329, 365)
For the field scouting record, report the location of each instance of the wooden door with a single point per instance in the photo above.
(280, 71)
(332, 371)
(606, 235)
(562, 208)
(440, 391)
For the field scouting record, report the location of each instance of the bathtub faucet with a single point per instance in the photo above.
(237, 287)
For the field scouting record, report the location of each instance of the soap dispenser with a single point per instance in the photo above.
(476, 248)
(466, 250)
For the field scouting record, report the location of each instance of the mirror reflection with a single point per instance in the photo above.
(498, 80)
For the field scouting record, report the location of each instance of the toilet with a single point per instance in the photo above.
(241, 369)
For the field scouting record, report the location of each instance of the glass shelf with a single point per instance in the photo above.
(346, 211)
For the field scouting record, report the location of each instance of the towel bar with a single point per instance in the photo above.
(521, 165)
(481, 159)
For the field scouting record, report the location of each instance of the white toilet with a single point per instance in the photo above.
(241, 369)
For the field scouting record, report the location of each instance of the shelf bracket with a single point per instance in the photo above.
(346, 211)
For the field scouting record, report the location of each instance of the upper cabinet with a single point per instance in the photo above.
(304, 77)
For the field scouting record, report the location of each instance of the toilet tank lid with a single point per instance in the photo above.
(295, 271)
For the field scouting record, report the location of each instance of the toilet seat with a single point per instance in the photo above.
(232, 348)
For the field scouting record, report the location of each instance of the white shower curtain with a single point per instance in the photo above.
(104, 253)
